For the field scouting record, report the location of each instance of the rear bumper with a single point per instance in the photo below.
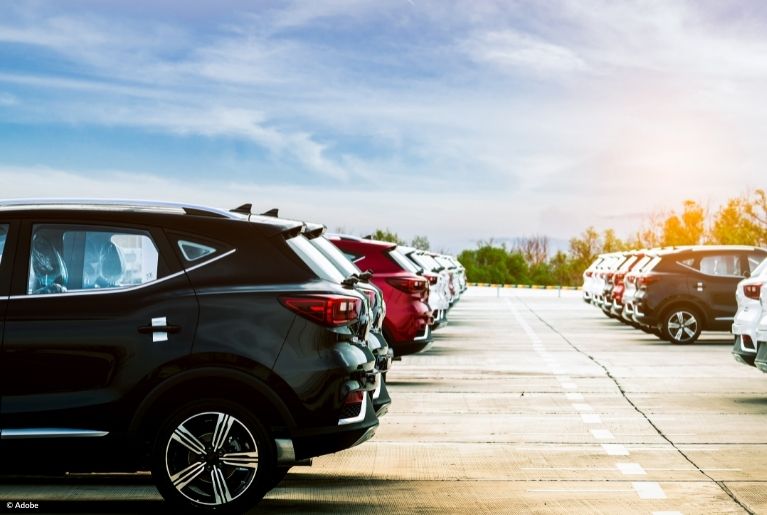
(744, 350)
(308, 443)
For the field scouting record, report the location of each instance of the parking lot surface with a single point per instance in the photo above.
(528, 402)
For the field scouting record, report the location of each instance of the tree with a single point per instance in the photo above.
(535, 249)
(742, 221)
(387, 235)
(611, 242)
(420, 243)
(585, 249)
(687, 228)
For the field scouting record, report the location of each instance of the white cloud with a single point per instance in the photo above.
(6, 99)
(512, 51)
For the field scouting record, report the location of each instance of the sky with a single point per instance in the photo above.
(459, 120)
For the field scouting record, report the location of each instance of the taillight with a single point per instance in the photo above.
(432, 278)
(589, 273)
(644, 280)
(411, 285)
(618, 279)
(328, 310)
(752, 291)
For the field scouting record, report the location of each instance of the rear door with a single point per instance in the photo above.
(94, 311)
(8, 231)
(716, 282)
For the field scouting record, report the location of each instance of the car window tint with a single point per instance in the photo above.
(338, 258)
(3, 236)
(689, 262)
(67, 258)
(757, 264)
(315, 260)
(193, 251)
(725, 264)
(404, 262)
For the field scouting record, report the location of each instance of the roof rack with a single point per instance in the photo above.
(189, 209)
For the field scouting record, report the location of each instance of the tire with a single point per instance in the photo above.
(278, 476)
(681, 325)
(189, 465)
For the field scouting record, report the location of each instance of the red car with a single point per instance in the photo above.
(408, 315)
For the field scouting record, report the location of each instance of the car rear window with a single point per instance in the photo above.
(757, 265)
(403, 262)
(3, 236)
(335, 256)
(627, 264)
(314, 259)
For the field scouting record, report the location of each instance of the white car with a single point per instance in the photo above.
(749, 314)
(588, 279)
(439, 278)
(761, 335)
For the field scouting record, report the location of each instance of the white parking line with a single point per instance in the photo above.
(582, 407)
(574, 396)
(591, 418)
(602, 434)
(569, 386)
(631, 469)
(648, 490)
(615, 449)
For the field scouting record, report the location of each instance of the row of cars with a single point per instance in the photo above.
(678, 292)
(215, 348)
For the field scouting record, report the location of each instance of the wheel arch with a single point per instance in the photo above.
(239, 386)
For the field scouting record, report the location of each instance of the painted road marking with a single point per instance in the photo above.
(602, 434)
(631, 469)
(569, 386)
(582, 407)
(648, 490)
(615, 449)
(574, 396)
(591, 418)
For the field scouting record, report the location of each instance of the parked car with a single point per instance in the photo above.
(761, 335)
(632, 261)
(375, 339)
(407, 326)
(745, 326)
(455, 286)
(588, 288)
(207, 346)
(630, 282)
(439, 283)
(691, 289)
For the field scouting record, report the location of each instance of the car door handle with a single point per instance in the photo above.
(149, 329)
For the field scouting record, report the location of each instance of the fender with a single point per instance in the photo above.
(207, 372)
(685, 299)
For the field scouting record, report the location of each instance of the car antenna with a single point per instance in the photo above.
(274, 212)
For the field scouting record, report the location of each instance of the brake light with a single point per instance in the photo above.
(752, 291)
(411, 285)
(328, 310)
(644, 280)
(618, 279)
(432, 278)
(589, 273)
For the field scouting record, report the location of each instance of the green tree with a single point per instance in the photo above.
(420, 242)
(387, 235)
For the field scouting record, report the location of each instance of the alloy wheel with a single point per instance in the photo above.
(211, 458)
(682, 326)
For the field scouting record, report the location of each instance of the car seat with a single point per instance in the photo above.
(48, 273)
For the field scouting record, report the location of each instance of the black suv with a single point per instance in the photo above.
(692, 289)
(214, 348)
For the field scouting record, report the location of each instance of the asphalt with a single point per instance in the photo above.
(530, 401)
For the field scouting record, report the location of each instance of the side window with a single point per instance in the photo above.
(3, 236)
(726, 264)
(193, 251)
(67, 258)
(352, 257)
(689, 262)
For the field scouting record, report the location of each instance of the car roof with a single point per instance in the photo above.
(174, 210)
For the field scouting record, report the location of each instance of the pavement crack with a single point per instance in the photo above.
(623, 393)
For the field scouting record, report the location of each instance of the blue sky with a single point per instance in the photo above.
(459, 120)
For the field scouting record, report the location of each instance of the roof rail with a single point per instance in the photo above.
(190, 209)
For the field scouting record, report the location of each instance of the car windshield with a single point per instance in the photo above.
(335, 256)
(404, 262)
(315, 260)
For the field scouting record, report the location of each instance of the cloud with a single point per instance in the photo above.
(519, 53)
(6, 99)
